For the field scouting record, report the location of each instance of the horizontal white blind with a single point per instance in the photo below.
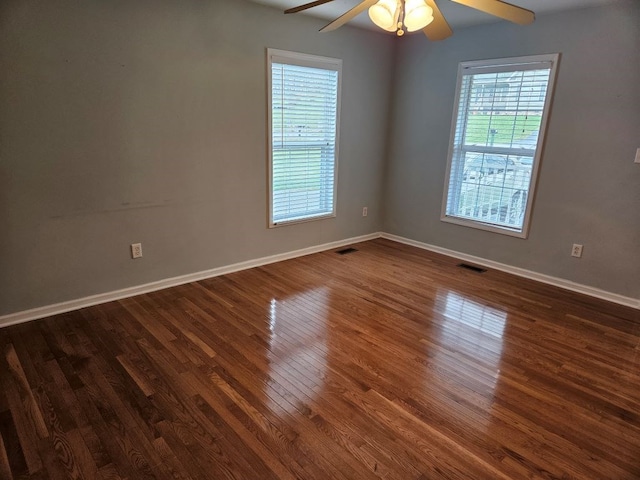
(495, 141)
(304, 112)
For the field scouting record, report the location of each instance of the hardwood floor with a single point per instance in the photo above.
(387, 362)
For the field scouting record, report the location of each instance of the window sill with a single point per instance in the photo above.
(486, 226)
(294, 221)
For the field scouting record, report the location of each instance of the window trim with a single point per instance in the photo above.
(508, 63)
(303, 60)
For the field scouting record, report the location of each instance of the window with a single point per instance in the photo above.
(304, 107)
(497, 133)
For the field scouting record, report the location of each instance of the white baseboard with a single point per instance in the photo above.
(521, 272)
(48, 310)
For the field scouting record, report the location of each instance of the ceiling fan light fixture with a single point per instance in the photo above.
(411, 15)
(385, 14)
(417, 15)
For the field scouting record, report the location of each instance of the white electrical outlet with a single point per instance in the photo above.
(576, 250)
(136, 250)
(637, 160)
(364, 211)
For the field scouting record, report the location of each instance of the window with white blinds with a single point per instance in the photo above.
(498, 129)
(304, 106)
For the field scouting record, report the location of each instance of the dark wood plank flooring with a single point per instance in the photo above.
(387, 362)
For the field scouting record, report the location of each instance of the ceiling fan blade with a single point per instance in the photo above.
(439, 29)
(342, 19)
(500, 9)
(300, 8)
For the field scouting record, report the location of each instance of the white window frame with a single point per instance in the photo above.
(304, 60)
(507, 64)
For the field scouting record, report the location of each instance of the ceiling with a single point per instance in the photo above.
(457, 15)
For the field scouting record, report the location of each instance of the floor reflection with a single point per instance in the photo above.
(462, 312)
(297, 346)
(466, 349)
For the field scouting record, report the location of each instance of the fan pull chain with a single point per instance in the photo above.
(400, 31)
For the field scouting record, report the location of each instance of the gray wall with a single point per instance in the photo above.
(145, 121)
(589, 188)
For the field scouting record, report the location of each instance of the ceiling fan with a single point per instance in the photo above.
(413, 15)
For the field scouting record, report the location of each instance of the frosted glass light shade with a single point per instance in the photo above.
(385, 14)
(417, 14)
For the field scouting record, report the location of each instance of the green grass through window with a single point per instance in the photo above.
(289, 173)
(508, 128)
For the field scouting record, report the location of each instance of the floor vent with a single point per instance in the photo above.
(344, 251)
(473, 268)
